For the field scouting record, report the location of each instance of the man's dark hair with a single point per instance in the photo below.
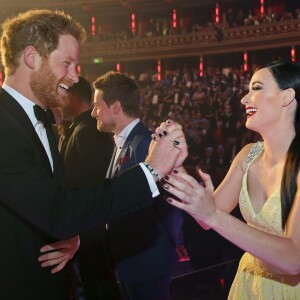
(83, 90)
(116, 86)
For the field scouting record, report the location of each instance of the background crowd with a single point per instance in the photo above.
(209, 110)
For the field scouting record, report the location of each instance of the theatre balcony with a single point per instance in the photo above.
(208, 41)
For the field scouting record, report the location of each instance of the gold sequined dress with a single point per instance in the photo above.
(256, 280)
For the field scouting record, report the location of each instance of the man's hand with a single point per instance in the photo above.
(59, 253)
(168, 148)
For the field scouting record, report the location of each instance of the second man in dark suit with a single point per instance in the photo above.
(142, 243)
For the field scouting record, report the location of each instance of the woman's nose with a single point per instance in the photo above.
(245, 99)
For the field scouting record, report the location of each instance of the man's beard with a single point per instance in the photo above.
(45, 87)
(105, 127)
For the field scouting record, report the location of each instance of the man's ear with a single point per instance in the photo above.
(288, 97)
(30, 56)
(117, 106)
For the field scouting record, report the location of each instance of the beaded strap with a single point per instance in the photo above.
(254, 151)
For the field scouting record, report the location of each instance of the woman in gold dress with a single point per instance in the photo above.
(263, 179)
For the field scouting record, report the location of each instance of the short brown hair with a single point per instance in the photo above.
(117, 86)
(39, 28)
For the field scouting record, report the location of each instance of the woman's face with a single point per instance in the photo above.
(263, 102)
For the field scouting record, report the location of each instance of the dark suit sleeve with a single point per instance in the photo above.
(171, 217)
(28, 190)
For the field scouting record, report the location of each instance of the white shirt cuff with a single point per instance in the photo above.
(151, 181)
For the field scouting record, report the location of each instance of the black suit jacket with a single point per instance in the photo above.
(86, 153)
(35, 209)
(143, 243)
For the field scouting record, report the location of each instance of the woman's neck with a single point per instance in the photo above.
(276, 146)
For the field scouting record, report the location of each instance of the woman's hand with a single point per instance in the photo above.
(195, 199)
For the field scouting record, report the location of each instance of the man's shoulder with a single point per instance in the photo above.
(85, 119)
(142, 129)
(141, 136)
(88, 131)
(7, 119)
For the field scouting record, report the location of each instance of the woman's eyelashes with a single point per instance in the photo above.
(256, 88)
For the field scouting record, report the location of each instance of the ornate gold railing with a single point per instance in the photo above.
(246, 38)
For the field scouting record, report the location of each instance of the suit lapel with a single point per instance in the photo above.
(18, 113)
(124, 155)
(126, 152)
(66, 138)
(109, 173)
(57, 165)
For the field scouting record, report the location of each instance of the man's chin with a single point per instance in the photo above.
(60, 102)
(65, 103)
(102, 128)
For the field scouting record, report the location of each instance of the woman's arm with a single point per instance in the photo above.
(280, 252)
(226, 196)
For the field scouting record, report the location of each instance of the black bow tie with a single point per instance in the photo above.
(45, 116)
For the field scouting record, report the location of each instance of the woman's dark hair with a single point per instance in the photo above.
(287, 75)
